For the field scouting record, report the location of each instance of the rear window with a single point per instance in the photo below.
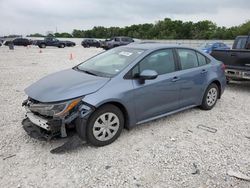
(241, 43)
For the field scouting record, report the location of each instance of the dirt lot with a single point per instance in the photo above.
(162, 153)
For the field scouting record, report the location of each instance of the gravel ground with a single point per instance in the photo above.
(161, 153)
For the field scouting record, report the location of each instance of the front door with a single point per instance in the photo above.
(158, 96)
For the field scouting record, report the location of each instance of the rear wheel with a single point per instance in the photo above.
(210, 97)
(105, 125)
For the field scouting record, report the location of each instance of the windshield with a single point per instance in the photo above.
(111, 62)
(207, 45)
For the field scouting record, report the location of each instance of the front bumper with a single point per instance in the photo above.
(37, 132)
(38, 126)
(39, 121)
(237, 74)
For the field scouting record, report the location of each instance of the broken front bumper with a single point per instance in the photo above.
(39, 121)
(37, 132)
(43, 128)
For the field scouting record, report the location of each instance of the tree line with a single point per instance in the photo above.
(163, 29)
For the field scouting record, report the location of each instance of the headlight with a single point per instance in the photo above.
(55, 110)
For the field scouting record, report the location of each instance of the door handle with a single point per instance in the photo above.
(175, 79)
(233, 54)
(203, 71)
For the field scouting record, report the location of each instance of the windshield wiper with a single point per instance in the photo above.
(86, 71)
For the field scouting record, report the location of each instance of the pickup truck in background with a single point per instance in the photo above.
(115, 42)
(51, 41)
(236, 60)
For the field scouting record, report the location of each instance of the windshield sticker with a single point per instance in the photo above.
(125, 53)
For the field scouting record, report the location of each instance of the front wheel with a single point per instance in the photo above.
(105, 125)
(210, 97)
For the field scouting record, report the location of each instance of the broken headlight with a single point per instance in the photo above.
(53, 109)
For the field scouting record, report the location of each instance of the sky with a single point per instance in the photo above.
(40, 16)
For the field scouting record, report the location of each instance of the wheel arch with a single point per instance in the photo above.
(123, 110)
(217, 82)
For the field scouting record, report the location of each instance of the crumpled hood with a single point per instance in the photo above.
(64, 85)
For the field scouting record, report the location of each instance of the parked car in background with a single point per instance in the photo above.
(209, 47)
(51, 41)
(115, 42)
(89, 42)
(237, 60)
(19, 42)
(122, 87)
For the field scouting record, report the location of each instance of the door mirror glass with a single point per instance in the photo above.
(148, 75)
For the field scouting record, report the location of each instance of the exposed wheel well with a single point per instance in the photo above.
(124, 112)
(218, 85)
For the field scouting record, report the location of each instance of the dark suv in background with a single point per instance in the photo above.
(89, 42)
(115, 42)
(19, 42)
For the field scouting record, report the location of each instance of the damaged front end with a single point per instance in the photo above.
(48, 120)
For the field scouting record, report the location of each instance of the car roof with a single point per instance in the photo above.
(153, 45)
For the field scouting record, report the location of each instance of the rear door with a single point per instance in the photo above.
(193, 76)
(161, 95)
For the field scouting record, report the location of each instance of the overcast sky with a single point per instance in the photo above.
(39, 16)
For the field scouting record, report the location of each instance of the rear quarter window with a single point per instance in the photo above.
(202, 60)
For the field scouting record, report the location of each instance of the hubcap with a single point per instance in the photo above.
(212, 96)
(106, 126)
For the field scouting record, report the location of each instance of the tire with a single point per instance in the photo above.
(61, 45)
(42, 46)
(111, 131)
(210, 97)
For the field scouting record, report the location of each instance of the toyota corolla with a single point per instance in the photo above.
(121, 88)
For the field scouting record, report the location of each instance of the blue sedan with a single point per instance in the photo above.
(209, 47)
(121, 88)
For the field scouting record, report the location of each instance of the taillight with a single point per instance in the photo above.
(223, 66)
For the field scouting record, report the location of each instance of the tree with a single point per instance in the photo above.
(163, 29)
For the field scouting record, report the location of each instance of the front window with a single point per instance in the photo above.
(111, 62)
(161, 61)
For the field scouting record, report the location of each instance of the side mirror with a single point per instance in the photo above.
(148, 75)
